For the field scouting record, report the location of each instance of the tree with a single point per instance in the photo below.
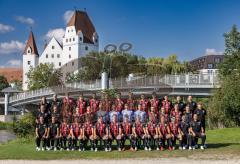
(44, 75)
(224, 109)
(3, 83)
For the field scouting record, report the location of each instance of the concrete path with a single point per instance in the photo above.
(6, 136)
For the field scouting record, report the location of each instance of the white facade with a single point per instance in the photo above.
(74, 45)
(29, 60)
(52, 54)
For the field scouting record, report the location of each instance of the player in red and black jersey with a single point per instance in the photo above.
(75, 132)
(144, 103)
(128, 134)
(82, 105)
(152, 131)
(167, 104)
(176, 113)
(90, 132)
(131, 102)
(117, 132)
(68, 105)
(139, 132)
(101, 132)
(65, 135)
(94, 103)
(82, 138)
(155, 103)
(164, 134)
(119, 103)
(175, 132)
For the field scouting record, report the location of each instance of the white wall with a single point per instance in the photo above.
(52, 54)
(29, 60)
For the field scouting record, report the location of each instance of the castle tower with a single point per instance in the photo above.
(80, 38)
(30, 58)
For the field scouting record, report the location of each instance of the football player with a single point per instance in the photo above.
(53, 133)
(41, 132)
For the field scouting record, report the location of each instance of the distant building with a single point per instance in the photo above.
(12, 74)
(79, 39)
(207, 63)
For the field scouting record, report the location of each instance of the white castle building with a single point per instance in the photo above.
(79, 39)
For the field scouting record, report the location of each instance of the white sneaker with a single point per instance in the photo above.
(79, 150)
(146, 148)
(37, 148)
(184, 148)
(173, 147)
(135, 148)
(43, 149)
(190, 148)
(83, 149)
(67, 149)
(61, 149)
(55, 149)
(202, 147)
(110, 149)
(95, 149)
(149, 149)
(193, 147)
(157, 148)
(119, 149)
(106, 149)
(48, 148)
(72, 149)
(180, 148)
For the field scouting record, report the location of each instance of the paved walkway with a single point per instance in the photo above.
(137, 161)
(6, 136)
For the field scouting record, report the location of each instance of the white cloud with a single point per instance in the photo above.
(14, 62)
(25, 20)
(57, 33)
(14, 46)
(212, 51)
(67, 15)
(5, 28)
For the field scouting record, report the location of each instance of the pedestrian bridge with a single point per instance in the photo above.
(200, 85)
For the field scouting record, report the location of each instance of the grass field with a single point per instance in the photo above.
(222, 144)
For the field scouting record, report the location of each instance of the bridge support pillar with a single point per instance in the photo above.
(104, 81)
(6, 101)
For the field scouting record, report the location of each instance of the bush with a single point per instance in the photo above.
(25, 126)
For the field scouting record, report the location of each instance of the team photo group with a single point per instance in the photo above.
(132, 123)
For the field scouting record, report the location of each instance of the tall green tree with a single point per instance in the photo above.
(3, 83)
(44, 75)
(224, 109)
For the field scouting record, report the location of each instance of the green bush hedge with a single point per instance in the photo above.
(6, 125)
(25, 126)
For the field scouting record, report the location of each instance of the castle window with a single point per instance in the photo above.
(70, 40)
(73, 39)
(66, 40)
(86, 48)
(29, 62)
(80, 38)
(72, 63)
(29, 51)
(69, 56)
(58, 55)
(52, 47)
(52, 55)
(210, 66)
(69, 48)
(59, 63)
(46, 55)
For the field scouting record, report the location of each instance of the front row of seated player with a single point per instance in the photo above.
(151, 135)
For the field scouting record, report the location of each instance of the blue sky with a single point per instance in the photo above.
(155, 27)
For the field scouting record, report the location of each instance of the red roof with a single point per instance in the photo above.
(82, 23)
(12, 73)
(31, 43)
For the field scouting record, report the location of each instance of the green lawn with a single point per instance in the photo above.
(223, 143)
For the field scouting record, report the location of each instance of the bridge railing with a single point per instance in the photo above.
(174, 81)
(184, 80)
